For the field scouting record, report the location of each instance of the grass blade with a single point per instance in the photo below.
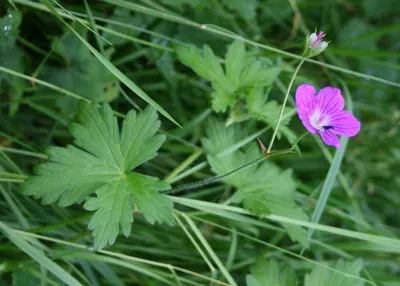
(38, 256)
(328, 184)
(210, 251)
(114, 70)
(233, 211)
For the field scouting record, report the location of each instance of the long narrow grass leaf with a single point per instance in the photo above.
(38, 256)
(114, 70)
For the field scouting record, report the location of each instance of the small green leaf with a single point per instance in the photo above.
(324, 276)
(268, 272)
(263, 189)
(235, 61)
(222, 100)
(101, 166)
(204, 63)
(256, 74)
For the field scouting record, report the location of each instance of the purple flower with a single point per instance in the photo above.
(323, 113)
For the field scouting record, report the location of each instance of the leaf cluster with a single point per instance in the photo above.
(263, 189)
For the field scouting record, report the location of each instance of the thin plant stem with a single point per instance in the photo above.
(210, 251)
(194, 242)
(13, 175)
(265, 155)
(208, 181)
(41, 82)
(230, 35)
(284, 104)
(23, 152)
(184, 164)
(6, 180)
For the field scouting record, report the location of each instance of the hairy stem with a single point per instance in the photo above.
(265, 155)
(284, 104)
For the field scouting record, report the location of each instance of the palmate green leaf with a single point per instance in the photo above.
(324, 276)
(264, 188)
(242, 72)
(100, 165)
(82, 74)
(268, 272)
(205, 64)
(12, 57)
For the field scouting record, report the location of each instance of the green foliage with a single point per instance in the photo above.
(263, 189)
(242, 72)
(376, 10)
(354, 29)
(107, 183)
(12, 57)
(240, 86)
(82, 73)
(124, 16)
(323, 276)
(101, 165)
(268, 272)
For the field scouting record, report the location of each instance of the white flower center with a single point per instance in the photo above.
(318, 121)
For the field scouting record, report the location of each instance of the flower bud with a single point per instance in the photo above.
(315, 45)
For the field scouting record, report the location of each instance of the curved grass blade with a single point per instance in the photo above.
(38, 256)
(231, 213)
(114, 70)
(230, 35)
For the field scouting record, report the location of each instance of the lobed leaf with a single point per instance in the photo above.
(268, 272)
(324, 276)
(98, 171)
(264, 188)
(242, 72)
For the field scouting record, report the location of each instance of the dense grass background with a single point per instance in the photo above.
(45, 70)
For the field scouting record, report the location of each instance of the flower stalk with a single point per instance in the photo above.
(284, 104)
(314, 46)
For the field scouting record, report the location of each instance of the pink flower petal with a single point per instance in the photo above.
(329, 100)
(345, 124)
(305, 97)
(305, 119)
(330, 138)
